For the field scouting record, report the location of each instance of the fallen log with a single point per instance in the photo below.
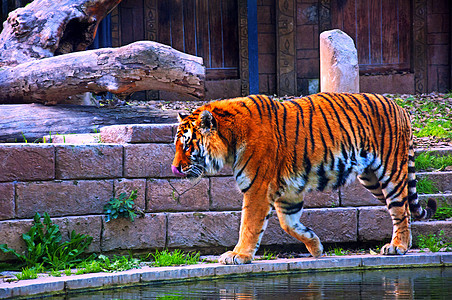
(139, 66)
(33, 121)
(46, 28)
(38, 62)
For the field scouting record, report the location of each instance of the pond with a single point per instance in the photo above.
(417, 283)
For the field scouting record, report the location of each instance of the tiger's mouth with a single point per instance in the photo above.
(177, 172)
(192, 171)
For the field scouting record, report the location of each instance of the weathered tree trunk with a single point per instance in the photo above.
(45, 28)
(33, 121)
(32, 68)
(139, 66)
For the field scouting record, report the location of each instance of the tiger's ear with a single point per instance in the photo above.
(181, 117)
(208, 121)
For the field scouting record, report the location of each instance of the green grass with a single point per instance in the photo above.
(106, 264)
(427, 161)
(434, 243)
(176, 258)
(426, 186)
(437, 128)
(443, 212)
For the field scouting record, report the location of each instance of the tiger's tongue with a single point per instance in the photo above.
(177, 172)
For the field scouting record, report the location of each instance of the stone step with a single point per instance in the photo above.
(79, 138)
(443, 151)
(442, 180)
(441, 199)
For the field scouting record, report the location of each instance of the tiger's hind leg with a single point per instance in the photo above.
(394, 192)
(289, 214)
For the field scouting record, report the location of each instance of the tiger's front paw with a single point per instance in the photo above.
(391, 249)
(232, 258)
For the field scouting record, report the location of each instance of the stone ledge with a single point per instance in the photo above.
(63, 285)
(138, 133)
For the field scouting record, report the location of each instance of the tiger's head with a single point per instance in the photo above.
(199, 148)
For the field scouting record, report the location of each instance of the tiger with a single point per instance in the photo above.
(280, 151)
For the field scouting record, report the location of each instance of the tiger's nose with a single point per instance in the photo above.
(177, 171)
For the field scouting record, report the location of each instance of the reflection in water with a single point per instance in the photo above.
(418, 283)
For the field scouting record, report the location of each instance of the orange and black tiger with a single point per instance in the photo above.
(281, 150)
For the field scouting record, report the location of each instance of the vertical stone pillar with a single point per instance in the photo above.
(339, 70)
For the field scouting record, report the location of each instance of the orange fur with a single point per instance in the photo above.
(280, 150)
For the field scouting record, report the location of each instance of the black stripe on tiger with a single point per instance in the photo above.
(398, 203)
(252, 181)
(257, 106)
(289, 208)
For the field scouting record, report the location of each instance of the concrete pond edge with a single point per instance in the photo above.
(208, 271)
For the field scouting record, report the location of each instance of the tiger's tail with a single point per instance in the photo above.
(418, 213)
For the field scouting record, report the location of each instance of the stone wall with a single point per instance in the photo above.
(72, 182)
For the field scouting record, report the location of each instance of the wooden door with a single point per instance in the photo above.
(205, 28)
(381, 30)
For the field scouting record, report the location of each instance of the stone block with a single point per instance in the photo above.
(208, 229)
(177, 194)
(88, 161)
(225, 194)
(357, 195)
(42, 286)
(332, 225)
(442, 180)
(174, 273)
(148, 160)
(321, 199)
(61, 198)
(7, 201)
(27, 162)
(79, 138)
(275, 235)
(11, 234)
(129, 185)
(148, 232)
(426, 228)
(441, 199)
(99, 280)
(400, 260)
(138, 133)
(88, 225)
(339, 69)
(374, 224)
(325, 263)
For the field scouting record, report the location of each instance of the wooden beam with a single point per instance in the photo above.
(286, 74)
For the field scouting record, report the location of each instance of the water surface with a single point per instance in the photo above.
(416, 283)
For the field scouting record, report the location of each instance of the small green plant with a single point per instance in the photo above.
(426, 186)
(29, 273)
(166, 258)
(443, 212)
(44, 246)
(268, 255)
(56, 273)
(428, 161)
(68, 272)
(122, 206)
(433, 242)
